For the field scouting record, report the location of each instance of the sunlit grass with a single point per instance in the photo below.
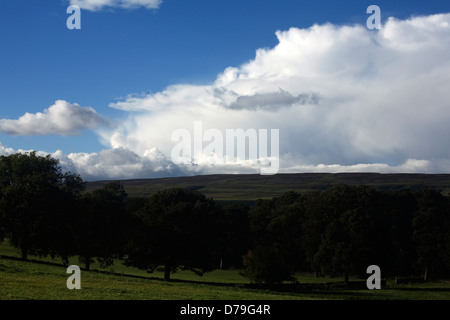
(27, 280)
(23, 280)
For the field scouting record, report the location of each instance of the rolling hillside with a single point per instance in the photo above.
(229, 188)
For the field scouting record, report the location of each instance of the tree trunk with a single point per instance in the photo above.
(24, 253)
(425, 275)
(167, 272)
(346, 277)
(88, 263)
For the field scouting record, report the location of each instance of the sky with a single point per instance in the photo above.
(106, 99)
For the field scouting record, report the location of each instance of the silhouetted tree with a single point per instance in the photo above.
(101, 224)
(429, 231)
(233, 228)
(276, 230)
(33, 203)
(400, 207)
(357, 235)
(267, 263)
(178, 231)
(318, 215)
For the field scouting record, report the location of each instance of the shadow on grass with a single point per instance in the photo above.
(354, 290)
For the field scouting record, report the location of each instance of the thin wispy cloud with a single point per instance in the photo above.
(97, 5)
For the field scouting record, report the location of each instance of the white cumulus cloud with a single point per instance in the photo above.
(343, 97)
(118, 163)
(62, 118)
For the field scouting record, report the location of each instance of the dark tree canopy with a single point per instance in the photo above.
(338, 231)
(101, 224)
(35, 199)
(276, 228)
(233, 228)
(342, 230)
(178, 231)
(431, 224)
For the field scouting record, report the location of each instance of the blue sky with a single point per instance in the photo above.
(139, 52)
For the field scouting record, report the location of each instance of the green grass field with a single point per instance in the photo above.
(25, 280)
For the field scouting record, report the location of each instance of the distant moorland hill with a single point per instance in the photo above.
(250, 187)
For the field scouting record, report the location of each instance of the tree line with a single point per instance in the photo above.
(337, 232)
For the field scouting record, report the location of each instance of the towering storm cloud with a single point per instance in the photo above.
(344, 98)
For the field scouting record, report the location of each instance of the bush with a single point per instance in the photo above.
(267, 264)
